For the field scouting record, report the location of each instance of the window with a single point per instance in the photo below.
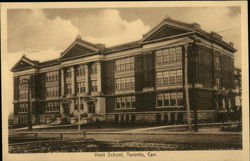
(125, 83)
(118, 102)
(133, 101)
(169, 55)
(178, 52)
(125, 102)
(159, 78)
(52, 107)
(80, 71)
(172, 57)
(218, 83)
(158, 57)
(93, 85)
(124, 64)
(160, 100)
(217, 63)
(165, 56)
(180, 101)
(118, 84)
(56, 106)
(52, 76)
(166, 99)
(68, 73)
(23, 79)
(68, 88)
(93, 69)
(172, 77)
(52, 91)
(179, 76)
(23, 108)
(172, 99)
(23, 94)
(80, 87)
(165, 78)
(77, 104)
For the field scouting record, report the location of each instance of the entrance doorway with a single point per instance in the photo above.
(66, 108)
(91, 107)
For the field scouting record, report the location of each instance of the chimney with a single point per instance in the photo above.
(101, 47)
(166, 17)
(196, 25)
(231, 44)
(216, 36)
(78, 37)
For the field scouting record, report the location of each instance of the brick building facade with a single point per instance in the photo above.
(175, 67)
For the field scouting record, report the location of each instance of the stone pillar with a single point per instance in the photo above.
(162, 117)
(223, 104)
(130, 117)
(73, 80)
(229, 104)
(62, 83)
(119, 118)
(100, 106)
(85, 107)
(86, 78)
(169, 117)
(72, 107)
(99, 78)
(61, 109)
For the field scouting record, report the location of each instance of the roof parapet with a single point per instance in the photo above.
(231, 44)
(196, 25)
(216, 36)
(101, 47)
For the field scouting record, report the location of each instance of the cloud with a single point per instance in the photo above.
(31, 29)
(234, 11)
(107, 26)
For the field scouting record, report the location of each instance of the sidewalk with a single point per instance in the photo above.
(150, 130)
(44, 126)
(161, 129)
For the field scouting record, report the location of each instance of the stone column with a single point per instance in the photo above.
(61, 109)
(72, 107)
(73, 80)
(223, 104)
(85, 107)
(99, 78)
(86, 78)
(62, 83)
(229, 104)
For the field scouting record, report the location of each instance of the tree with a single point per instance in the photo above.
(237, 85)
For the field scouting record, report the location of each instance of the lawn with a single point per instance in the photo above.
(106, 142)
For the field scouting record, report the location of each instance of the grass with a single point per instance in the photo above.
(92, 145)
(105, 142)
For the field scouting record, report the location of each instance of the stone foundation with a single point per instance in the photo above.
(166, 117)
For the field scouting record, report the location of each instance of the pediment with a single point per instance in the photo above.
(23, 63)
(164, 31)
(78, 49)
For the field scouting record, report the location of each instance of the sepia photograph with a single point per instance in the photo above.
(124, 80)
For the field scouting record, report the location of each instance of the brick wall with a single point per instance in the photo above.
(108, 84)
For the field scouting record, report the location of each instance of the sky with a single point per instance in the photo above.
(42, 34)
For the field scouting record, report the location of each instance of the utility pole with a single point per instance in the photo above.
(186, 88)
(28, 84)
(79, 117)
(193, 85)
